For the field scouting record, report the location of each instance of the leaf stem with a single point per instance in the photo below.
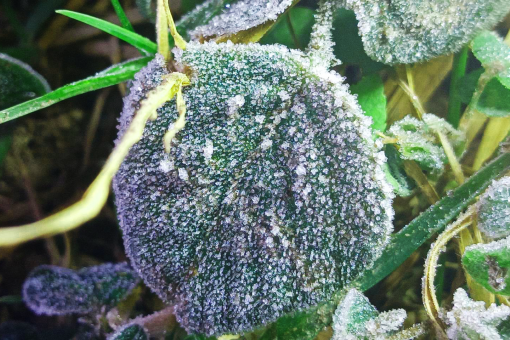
(452, 159)
(414, 171)
(458, 71)
(428, 291)
(162, 31)
(179, 41)
(96, 195)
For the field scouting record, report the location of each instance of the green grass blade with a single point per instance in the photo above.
(111, 76)
(130, 37)
(433, 220)
(124, 21)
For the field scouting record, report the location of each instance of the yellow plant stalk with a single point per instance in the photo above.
(428, 290)
(179, 41)
(496, 131)
(162, 30)
(96, 195)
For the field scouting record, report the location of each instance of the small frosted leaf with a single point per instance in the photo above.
(351, 316)
(403, 31)
(19, 82)
(52, 290)
(275, 198)
(227, 17)
(470, 319)
(130, 332)
(488, 264)
(418, 140)
(494, 55)
(494, 209)
(356, 318)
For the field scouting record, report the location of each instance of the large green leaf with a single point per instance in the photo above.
(111, 76)
(371, 98)
(294, 35)
(52, 290)
(128, 36)
(19, 82)
(494, 209)
(494, 55)
(402, 31)
(272, 197)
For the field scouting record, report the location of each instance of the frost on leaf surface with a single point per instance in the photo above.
(272, 196)
(355, 318)
(494, 209)
(418, 140)
(470, 319)
(403, 31)
(52, 290)
(488, 264)
(232, 16)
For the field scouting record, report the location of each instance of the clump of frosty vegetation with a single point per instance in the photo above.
(418, 140)
(470, 319)
(356, 318)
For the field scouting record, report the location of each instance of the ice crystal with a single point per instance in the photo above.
(290, 206)
(130, 332)
(418, 140)
(470, 319)
(355, 318)
(220, 17)
(403, 31)
(52, 290)
(494, 209)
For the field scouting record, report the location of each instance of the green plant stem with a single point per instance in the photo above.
(458, 71)
(124, 21)
(434, 219)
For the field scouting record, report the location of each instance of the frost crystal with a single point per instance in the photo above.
(233, 16)
(470, 319)
(52, 290)
(418, 140)
(403, 31)
(355, 318)
(291, 207)
(494, 209)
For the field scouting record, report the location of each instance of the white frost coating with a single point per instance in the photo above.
(240, 16)
(208, 149)
(250, 233)
(470, 319)
(494, 209)
(403, 31)
(183, 174)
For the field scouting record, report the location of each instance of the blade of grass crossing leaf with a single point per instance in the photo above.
(130, 37)
(433, 220)
(111, 76)
(458, 71)
(124, 21)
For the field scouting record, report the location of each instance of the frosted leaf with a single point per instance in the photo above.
(52, 290)
(488, 265)
(418, 140)
(291, 207)
(403, 31)
(494, 209)
(224, 18)
(355, 318)
(19, 82)
(470, 319)
(130, 332)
